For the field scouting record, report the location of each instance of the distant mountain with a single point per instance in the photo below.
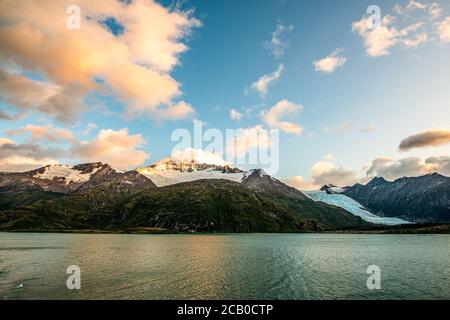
(97, 180)
(95, 196)
(53, 178)
(424, 199)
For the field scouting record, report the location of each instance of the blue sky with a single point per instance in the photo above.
(355, 114)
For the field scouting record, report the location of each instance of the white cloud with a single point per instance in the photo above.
(301, 183)
(262, 84)
(273, 116)
(329, 157)
(443, 30)
(378, 41)
(331, 62)
(248, 140)
(417, 40)
(198, 155)
(235, 115)
(118, 148)
(324, 172)
(278, 44)
(133, 67)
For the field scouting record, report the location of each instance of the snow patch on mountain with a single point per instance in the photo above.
(171, 171)
(353, 207)
(66, 173)
(165, 178)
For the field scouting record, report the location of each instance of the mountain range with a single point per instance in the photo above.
(187, 196)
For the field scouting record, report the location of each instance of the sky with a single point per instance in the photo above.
(352, 96)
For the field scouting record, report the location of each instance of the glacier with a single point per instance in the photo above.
(353, 207)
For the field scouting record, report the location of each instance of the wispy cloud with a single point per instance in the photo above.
(262, 84)
(410, 31)
(235, 115)
(443, 30)
(278, 44)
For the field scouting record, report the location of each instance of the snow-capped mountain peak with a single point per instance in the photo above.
(68, 174)
(171, 171)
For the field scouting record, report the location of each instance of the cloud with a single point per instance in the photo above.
(278, 44)
(45, 133)
(409, 8)
(134, 66)
(247, 140)
(324, 172)
(177, 111)
(378, 40)
(89, 128)
(26, 156)
(5, 116)
(342, 127)
(414, 5)
(430, 138)
(300, 183)
(443, 30)
(27, 94)
(435, 10)
(273, 116)
(262, 84)
(198, 155)
(417, 40)
(439, 164)
(367, 128)
(392, 169)
(235, 115)
(329, 157)
(331, 62)
(118, 148)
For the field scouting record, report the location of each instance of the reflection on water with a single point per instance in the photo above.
(238, 266)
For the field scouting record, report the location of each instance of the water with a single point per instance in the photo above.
(238, 266)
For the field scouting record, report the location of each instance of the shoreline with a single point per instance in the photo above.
(399, 229)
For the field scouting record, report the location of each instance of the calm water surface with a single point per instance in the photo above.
(238, 266)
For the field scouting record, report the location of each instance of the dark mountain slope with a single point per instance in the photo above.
(222, 205)
(328, 216)
(424, 199)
